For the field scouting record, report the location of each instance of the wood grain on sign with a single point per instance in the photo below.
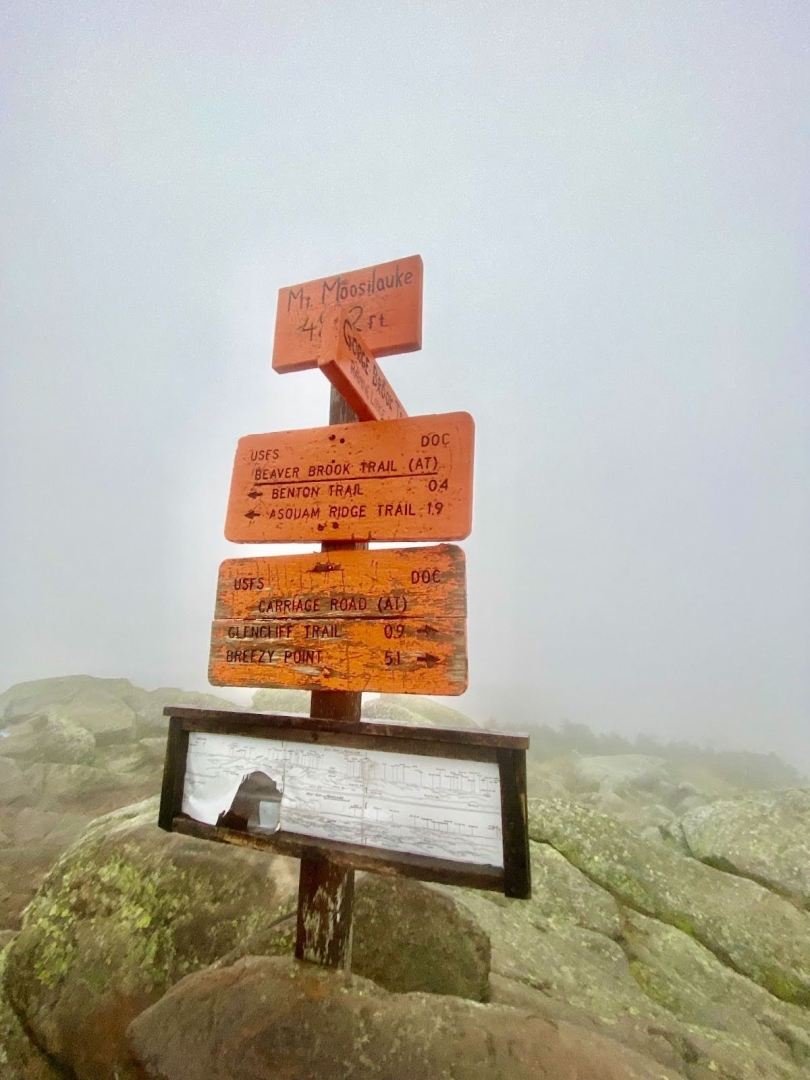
(398, 583)
(384, 303)
(387, 620)
(444, 742)
(349, 365)
(384, 480)
(412, 656)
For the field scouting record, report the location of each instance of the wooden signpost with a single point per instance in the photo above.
(447, 806)
(393, 621)
(405, 479)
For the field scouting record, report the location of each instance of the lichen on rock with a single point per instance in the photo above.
(125, 913)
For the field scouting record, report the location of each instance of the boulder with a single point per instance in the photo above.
(49, 736)
(750, 1030)
(13, 785)
(615, 772)
(20, 1059)
(29, 698)
(760, 934)
(639, 811)
(275, 1017)
(414, 709)
(124, 759)
(108, 718)
(405, 936)
(562, 941)
(148, 706)
(58, 785)
(153, 749)
(48, 829)
(408, 936)
(282, 701)
(764, 836)
(126, 912)
(573, 952)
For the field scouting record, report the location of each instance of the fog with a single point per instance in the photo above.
(611, 203)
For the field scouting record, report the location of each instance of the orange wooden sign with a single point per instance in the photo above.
(383, 303)
(349, 365)
(391, 620)
(384, 480)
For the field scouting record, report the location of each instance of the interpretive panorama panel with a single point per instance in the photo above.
(401, 802)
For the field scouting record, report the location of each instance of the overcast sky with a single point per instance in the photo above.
(611, 202)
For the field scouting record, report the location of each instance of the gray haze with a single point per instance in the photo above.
(611, 202)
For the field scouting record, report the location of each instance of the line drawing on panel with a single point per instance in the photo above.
(424, 805)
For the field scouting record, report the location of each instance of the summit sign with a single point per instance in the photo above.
(383, 303)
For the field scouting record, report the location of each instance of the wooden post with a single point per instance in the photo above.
(325, 890)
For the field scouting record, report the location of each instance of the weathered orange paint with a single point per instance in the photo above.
(384, 303)
(384, 480)
(349, 365)
(400, 583)
(420, 657)
(391, 620)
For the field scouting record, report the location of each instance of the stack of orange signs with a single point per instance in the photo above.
(391, 620)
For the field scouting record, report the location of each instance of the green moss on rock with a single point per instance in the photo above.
(122, 916)
(756, 932)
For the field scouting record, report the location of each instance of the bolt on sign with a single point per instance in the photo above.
(405, 479)
(391, 620)
(383, 303)
(349, 365)
(431, 803)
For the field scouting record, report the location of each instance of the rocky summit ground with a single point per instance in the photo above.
(668, 934)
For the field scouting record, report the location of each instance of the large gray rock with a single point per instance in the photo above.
(760, 934)
(20, 1059)
(764, 835)
(13, 785)
(750, 1030)
(408, 936)
(414, 709)
(615, 772)
(106, 717)
(29, 698)
(153, 749)
(562, 941)
(125, 913)
(148, 706)
(49, 736)
(405, 936)
(282, 701)
(50, 830)
(275, 1017)
(62, 785)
